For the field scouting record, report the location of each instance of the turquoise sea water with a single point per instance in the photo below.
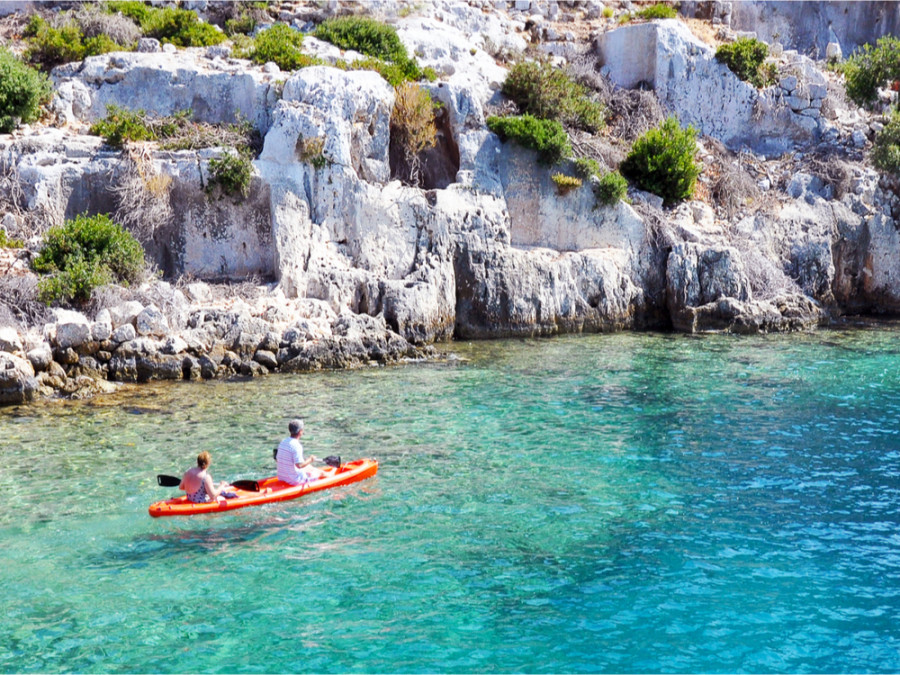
(618, 503)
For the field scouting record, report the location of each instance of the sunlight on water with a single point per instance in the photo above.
(620, 503)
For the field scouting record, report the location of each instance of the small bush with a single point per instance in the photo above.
(281, 44)
(585, 167)
(662, 161)
(564, 183)
(95, 21)
(744, 57)
(49, 46)
(23, 90)
(886, 150)
(375, 39)
(85, 253)
(546, 136)
(658, 11)
(120, 126)
(6, 242)
(180, 27)
(412, 126)
(232, 173)
(541, 90)
(312, 150)
(610, 188)
(870, 68)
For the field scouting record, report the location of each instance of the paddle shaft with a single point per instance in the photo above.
(174, 481)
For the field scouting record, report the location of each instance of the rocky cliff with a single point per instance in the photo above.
(790, 228)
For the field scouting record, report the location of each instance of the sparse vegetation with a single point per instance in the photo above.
(658, 11)
(377, 40)
(412, 127)
(886, 150)
(546, 136)
(541, 90)
(870, 68)
(50, 45)
(312, 150)
(231, 173)
(610, 188)
(23, 90)
(180, 27)
(6, 242)
(85, 253)
(745, 57)
(662, 161)
(565, 184)
(585, 167)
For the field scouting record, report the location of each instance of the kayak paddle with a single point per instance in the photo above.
(174, 481)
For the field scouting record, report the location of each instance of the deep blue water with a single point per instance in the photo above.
(618, 503)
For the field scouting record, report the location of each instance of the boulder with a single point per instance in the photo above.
(72, 329)
(151, 321)
(9, 339)
(124, 313)
(17, 380)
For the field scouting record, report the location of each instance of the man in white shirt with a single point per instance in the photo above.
(292, 468)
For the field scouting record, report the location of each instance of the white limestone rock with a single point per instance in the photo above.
(9, 339)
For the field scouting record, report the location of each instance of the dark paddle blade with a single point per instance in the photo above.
(168, 481)
(249, 485)
(333, 460)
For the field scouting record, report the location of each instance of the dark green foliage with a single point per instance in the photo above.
(745, 57)
(179, 27)
(610, 188)
(85, 253)
(870, 68)
(231, 173)
(375, 39)
(546, 136)
(886, 150)
(662, 161)
(122, 125)
(543, 91)
(23, 91)
(281, 44)
(6, 242)
(585, 167)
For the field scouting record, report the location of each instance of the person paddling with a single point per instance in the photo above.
(292, 468)
(198, 484)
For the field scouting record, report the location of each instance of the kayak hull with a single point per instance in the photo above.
(270, 490)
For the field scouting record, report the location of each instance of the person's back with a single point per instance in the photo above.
(289, 455)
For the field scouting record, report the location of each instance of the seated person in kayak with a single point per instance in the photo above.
(199, 484)
(292, 468)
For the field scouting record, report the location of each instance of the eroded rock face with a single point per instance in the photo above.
(701, 91)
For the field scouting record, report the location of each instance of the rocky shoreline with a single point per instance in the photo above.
(790, 228)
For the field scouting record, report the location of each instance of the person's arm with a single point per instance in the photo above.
(211, 489)
(307, 462)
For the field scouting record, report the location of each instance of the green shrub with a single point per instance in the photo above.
(564, 183)
(375, 39)
(886, 149)
(585, 167)
(120, 126)
(23, 90)
(744, 57)
(662, 161)
(6, 242)
(84, 253)
(546, 136)
(543, 91)
(870, 68)
(658, 11)
(281, 44)
(231, 173)
(180, 27)
(610, 188)
(49, 46)
(312, 150)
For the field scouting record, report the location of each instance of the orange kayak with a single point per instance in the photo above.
(270, 490)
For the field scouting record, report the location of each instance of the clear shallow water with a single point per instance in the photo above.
(620, 503)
